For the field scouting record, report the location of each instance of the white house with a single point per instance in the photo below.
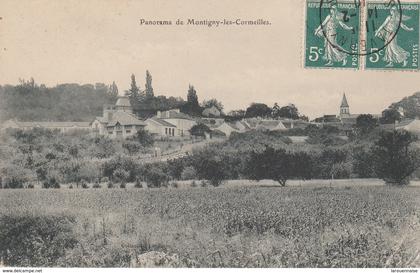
(227, 128)
(160, 127)
(118, 121)
(182, 122)
(211, 112)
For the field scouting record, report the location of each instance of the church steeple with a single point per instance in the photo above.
(344, 108)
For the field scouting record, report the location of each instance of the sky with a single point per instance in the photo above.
(89, 41)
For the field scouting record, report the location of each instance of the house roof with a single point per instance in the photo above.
(270, 125)
(173, 114)
(124, 118)
(161, 122)
(213, 110)
(123, 102)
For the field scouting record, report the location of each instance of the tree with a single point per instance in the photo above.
(113, 90)
(132, 147)
(395, 159)
(211, 168)
(365, 123)
(390, 116)
(144, 138)
(362, 162)
(134, 93)
(200, 130)
(148, 86)
(270, 164)
(275, 112)
(258, 110)
(290, 112)
(235, 115)
(192, 107)
(213, 102)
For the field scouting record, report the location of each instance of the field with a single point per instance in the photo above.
(360, 226)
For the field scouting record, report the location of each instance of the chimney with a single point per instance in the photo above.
(109, 117)
(159, 114)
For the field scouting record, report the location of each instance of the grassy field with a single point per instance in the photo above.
(372, 226)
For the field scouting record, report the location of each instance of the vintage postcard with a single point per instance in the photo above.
(234, 134)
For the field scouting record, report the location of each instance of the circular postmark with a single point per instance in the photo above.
(331, 17)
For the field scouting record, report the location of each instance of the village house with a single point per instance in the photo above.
(118, 121)
(170, 123)
(212, 112)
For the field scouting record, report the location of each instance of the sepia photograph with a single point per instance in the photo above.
(216, 134)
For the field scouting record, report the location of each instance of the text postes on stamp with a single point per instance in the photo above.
(332, 34)
(392, 36)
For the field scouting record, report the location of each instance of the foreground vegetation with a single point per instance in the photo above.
(212, 227)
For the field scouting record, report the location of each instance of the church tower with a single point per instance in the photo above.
(344, 108)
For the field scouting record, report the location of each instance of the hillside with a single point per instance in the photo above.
(65, 102)
(411, 105)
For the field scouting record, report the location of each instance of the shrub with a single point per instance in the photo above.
(28, 240)
(194, 184)
(71, 186)
(85, 185)
(120, 175)
(132, 147)
(156, 177)
(96, 185)
(395, 160)
(105, 180)
(110, 185)
(188, 173)
(51, 183)
(30, 186)
(121, 163)
(175, 185)
(15, 177)
(138, 185)
(123, 185)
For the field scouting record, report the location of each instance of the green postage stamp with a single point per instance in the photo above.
(332, 34)
(386, 39)
(392, 36)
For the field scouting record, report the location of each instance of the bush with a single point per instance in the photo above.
(122, 185)
(30, 186)
(96, 185)
(144, 138)
(138, 185)
(175, 185)
(114, 168)
(194, 184)
(71, 186)
(51, 183)
(15, 177)
(120, 175)
(110, 185)
(156, 177)
(395, 159)
(188, 173)
(105, 180)
(28, 240)
(85, 185)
